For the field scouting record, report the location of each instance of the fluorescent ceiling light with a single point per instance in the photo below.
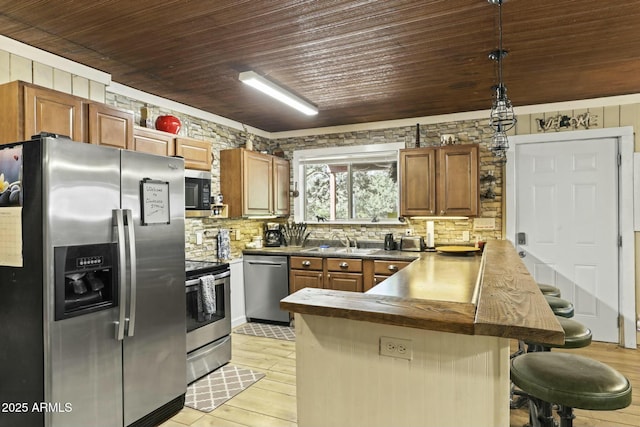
(273, 90)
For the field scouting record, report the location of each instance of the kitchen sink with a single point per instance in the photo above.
(334, 250)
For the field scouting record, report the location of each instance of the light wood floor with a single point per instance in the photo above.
(271, 402)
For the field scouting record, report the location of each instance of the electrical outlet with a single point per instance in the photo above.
(199, 237)
(408, 232)
(396, 347)
(465, 236)
(238, 235)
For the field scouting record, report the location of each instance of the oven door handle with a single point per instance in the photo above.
(216, 277)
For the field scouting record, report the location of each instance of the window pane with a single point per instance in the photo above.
(342, 194)
(375, 191)
(317, 194)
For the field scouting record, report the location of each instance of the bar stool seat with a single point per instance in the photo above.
(576, 335)
(559, 306)
(570, 380)
(552, 291)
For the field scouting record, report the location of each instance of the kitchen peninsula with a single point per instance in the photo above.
(427, 347)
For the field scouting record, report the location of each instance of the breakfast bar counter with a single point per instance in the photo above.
(429, 346)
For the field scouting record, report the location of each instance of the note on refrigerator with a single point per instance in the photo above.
(11, 232)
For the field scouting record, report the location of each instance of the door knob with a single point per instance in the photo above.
(522, 254)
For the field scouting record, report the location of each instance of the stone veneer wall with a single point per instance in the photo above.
(446, 231)
(222, 137)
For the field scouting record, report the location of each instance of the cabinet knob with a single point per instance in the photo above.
(442, 212)
(344, 265)
(306, 263)
(375, 280)
(392, 267)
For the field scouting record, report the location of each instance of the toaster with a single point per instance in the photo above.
(412, 244)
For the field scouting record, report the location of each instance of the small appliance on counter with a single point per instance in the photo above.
(412, 244)
(272, 235)
(389, 242)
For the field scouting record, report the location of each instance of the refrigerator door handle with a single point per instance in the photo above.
(134, 274)
(118, 221)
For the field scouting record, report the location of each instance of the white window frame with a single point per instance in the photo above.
(333, 153)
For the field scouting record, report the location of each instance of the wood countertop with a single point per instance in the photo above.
(491, 295)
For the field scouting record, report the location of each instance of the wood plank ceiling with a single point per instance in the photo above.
(357, 60)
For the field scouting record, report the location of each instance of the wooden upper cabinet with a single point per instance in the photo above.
(257, 183)
(254, 184)
(27, 110)
(281, 186)
(153, 141)
(48, 110)
(440, 181)
(111, 127)
(417, 182)
(458, 180)
(196, 153)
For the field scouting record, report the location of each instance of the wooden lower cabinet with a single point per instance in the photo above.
(343, 274)
(375, 271)
(305, 272)
(344, 281)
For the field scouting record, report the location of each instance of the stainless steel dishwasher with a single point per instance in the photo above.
(266, 282)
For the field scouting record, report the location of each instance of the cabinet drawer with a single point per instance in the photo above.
(351, 265)
(305, 263)
(387, 268)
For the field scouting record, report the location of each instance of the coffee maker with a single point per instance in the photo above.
(272, 234)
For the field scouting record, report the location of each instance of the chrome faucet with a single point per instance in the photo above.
(334, 236)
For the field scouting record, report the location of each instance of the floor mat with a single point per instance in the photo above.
(211, 391)
(268, 331)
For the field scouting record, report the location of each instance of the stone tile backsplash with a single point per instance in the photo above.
(222, 137)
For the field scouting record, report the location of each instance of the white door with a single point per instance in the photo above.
(567, 212)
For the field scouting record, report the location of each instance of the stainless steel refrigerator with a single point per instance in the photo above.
(92, 306)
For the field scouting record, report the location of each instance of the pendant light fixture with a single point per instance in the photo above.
(502, 117)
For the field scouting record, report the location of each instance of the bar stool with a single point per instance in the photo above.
(576, 335)
(559, 306)
(552, 291)
(569, 381)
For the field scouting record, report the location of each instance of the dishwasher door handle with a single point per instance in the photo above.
(271, 263)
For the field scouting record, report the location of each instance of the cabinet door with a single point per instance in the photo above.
(458, 180)
(417, 182)
(344, 281)
(257, 184)
(153, 142)
(110, 126)
(300, 279)
(280, 186)
(51, 111)
(196, 153)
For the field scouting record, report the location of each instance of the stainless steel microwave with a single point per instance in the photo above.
(197, 193)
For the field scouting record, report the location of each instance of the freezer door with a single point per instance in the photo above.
(154, 349)
(83, 361)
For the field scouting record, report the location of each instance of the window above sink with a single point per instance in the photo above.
(354, 184)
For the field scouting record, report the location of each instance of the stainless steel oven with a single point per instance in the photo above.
(208, 331)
